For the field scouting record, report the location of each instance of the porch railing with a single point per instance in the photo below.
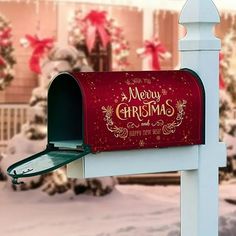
(12, 116)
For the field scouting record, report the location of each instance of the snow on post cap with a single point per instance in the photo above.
(199, 16)
(199, 11)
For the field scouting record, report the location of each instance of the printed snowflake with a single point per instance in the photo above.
(141, 143)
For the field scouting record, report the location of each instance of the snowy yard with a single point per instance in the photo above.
(128, 211)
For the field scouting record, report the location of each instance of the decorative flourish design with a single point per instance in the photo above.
(119, 132)
(158, 123)
(170, 128)
(132, 125)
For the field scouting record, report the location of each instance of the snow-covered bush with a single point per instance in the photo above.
(32, 138)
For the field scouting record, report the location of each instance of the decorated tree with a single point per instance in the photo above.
(228, 101)
(7, 59)
(47, 60)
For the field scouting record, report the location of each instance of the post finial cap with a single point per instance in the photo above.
(199, 11)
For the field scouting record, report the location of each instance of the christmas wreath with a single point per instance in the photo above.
(84, 28)
(7, 60)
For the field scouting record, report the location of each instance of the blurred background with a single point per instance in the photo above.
(40, 38)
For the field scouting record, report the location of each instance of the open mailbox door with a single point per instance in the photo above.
(111, 111)
(65, 142)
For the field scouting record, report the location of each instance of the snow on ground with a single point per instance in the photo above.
(128, 211)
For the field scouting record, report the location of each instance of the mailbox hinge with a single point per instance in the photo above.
(78, 148)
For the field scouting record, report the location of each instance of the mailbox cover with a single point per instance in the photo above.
(95, 112)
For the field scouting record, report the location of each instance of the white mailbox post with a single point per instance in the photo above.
(199, 188)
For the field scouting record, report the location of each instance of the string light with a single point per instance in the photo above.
(172, 5)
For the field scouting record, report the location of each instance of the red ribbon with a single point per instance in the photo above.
(154, 49)
(2, 61)
(40, 47)
(5, 36)
(96, 21)
(221, 80)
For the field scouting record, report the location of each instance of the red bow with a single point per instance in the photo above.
(154, 49)
(221, 82)
(96, 21)
(2, 61)
(4, 36)
(40, 46)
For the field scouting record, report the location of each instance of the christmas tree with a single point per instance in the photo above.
(7, 60)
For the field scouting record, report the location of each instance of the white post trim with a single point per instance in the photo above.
(199, 188)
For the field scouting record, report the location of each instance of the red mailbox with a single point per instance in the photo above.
(110, 111)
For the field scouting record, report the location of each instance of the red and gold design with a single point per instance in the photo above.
(121, 111)
(128, 110)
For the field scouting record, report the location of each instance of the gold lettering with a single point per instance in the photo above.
(145, 111)
(127, 111)
(134, 133)
(154, 109)
(163, 110)
(124, 111)
(118, 111)
(147, 132)
(170, 110)
(136, 94)
(135, 112)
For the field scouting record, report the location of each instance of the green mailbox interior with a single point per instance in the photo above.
(64, 110)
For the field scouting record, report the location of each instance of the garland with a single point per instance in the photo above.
(84, 27)
(7, 60)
